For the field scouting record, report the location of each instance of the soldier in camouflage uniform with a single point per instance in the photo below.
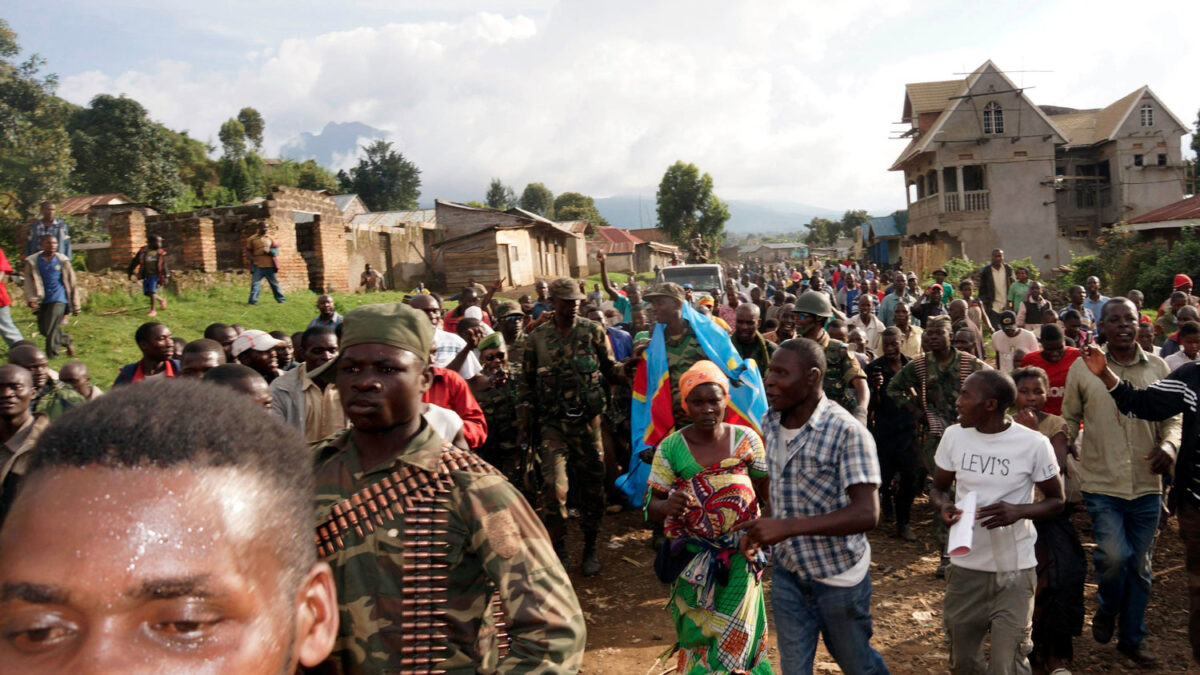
(567, 364)
(421, 535)
(509, 321)
(845, 381)
(928, 386)
(496, 392)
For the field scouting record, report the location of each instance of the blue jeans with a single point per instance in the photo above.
(1124, 530)
(841, 616)
(256, 277)
(8, 329)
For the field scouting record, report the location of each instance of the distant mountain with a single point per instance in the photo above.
(331, 147)
(745, 216)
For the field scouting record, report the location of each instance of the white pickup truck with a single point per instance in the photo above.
(704, 278)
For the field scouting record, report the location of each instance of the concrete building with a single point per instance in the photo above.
(987, 168)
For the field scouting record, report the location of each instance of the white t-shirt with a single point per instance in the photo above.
(999, 467)
(1005, 346)
(1178, 359)
(446, 346)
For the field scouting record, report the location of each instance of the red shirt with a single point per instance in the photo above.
(5, 267)
(451, 391)
(1057, 372)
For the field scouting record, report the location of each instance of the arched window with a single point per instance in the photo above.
(1147, 116)
(993, 118)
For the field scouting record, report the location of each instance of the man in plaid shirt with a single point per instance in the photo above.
(824, 497)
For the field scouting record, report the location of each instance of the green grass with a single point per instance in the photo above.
(103, 333)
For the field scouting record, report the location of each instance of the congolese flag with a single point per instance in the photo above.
(652, 418)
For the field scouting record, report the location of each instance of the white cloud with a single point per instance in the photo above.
(777, 100)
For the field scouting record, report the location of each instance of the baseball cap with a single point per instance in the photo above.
(253, 339)
(1008, 318)
(1182, 280)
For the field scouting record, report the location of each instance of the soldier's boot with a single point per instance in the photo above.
(558, 536)
(591, 561)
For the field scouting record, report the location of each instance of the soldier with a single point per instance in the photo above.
(420, 535)
(845, 381)
(509, 322)
(567, 361)
(496, 392)
(697, 250)
(929, 386)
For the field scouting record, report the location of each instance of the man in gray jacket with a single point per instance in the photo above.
(311, 406)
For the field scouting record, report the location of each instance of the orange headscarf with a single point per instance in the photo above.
(701, 372)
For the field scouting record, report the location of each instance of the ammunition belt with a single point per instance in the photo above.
(417, 498)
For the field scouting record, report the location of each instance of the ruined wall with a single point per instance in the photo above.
(396, 251)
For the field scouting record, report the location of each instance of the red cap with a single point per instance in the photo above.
(1182, 280)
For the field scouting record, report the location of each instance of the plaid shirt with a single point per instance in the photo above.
(811, 476)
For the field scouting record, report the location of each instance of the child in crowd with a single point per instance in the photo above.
(150, 264)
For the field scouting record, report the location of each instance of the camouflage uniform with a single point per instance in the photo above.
(57, 399)
(942, 384)
(499, 403)
(564, 382)
(492, 541)
(841, 370)
(683, 351)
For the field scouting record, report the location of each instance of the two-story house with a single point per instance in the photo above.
(986, 168)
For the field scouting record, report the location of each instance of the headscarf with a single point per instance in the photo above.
(491, 341)
(701, 372)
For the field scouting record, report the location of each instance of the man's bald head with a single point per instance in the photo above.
(957, 308)
(73, 370)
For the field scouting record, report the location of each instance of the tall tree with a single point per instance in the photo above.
(822, 232)
(253, 125)
(118, 148)
(575, 206)
(539, 199)
(687, 204)
(500, 196)
(851, 220)
(384, 179)
(233, 139)
(35, 148)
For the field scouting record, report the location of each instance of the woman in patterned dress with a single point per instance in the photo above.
(706, 479)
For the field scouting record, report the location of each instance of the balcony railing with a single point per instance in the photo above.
(921, 208)
(973, 200)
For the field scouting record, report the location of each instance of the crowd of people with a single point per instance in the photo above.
(768, 424)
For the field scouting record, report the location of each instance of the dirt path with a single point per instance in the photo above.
(628, 627)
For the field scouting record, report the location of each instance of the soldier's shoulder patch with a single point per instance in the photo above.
(502, 533)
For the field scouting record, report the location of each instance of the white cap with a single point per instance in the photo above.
(253, 339)
(473, 313)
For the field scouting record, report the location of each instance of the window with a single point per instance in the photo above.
(993, 119)
(1137, 160)
(950, 179)
(931, 183)
(1147, 115)
(973, 178)
(1162, 159)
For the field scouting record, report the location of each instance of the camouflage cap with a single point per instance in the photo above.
(508, 308)
(566, 289)
(666, 290)
(394, 323)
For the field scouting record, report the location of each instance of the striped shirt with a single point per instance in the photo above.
(811, 475)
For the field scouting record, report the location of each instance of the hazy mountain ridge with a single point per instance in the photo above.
(332, 145)
(745, 215)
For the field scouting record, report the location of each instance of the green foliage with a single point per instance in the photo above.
(384, 180)
(851, 220)
(233, 139)
(822, 232)
(539, 199)
(958, 269)
(500, 196)
(245, 177)
(118, 148)
(687, 205)
(253, 126)
(1130, 260)
(575, 206)
(35, 149)
(307, 175)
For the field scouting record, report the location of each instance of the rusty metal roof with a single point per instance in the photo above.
(1187, 208)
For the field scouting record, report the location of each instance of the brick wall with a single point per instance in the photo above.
(312, 254)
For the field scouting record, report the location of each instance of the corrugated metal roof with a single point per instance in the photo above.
(79, 205)
(343, 201)
(426, 218)
(651, 234)
(883, 226)
(1187, 208)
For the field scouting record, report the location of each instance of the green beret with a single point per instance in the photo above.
(666, 290)
(491, 341)
(394, 323)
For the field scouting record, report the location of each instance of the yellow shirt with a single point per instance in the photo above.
(1114, 446)
(260, 251)
(323, 414)
(910, 345)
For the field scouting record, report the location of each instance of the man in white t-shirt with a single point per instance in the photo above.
(1010, 339)
(990, 589)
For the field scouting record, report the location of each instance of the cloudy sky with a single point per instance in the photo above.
(781, 101)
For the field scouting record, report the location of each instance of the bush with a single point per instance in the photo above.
(1131, 260)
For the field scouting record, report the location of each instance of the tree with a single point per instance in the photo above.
(851, 220)
(233, 139)
(575, 206)
(687, 205)
(246, 176)
(307, 175)
(35, 148)
(822, 232)
(118, 148)
(500, 196)
(252, 125)
(539, 199)
(384, 179)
